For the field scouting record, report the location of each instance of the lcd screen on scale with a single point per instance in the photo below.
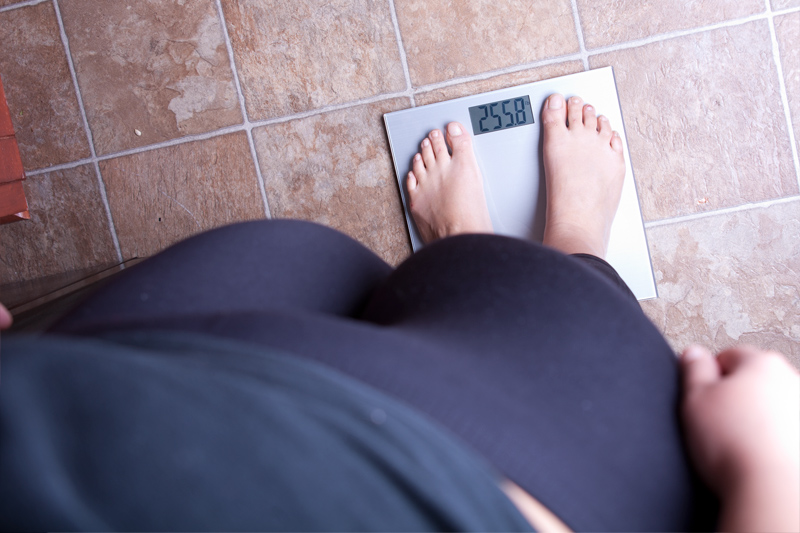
(501, 115)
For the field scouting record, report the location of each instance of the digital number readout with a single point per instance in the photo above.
(501, 115)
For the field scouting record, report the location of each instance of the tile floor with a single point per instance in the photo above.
(144, 122)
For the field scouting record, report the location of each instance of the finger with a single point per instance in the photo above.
(5, 318)
(699, 367)
(734, 358)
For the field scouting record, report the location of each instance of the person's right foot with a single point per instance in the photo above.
(584, 171)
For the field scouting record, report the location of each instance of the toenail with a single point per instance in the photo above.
(575, 100)
(426, 142)
(555, 101)
(435, 133)
(454, 130)
(589, 108)
(417, 157)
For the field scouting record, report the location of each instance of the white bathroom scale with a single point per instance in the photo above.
(506, 132)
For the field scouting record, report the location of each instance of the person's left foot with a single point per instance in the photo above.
(446, 191)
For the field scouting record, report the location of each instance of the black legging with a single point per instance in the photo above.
(543, 363)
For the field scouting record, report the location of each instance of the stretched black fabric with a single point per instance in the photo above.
(541, 362)
(173, 431)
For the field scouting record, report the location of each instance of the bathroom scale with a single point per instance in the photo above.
(506, 133)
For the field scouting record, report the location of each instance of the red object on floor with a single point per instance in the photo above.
(13, 205)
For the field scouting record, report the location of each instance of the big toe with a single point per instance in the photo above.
(458, 139)
(554, 114)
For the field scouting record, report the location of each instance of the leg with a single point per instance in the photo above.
(546, 367)
(252, 266)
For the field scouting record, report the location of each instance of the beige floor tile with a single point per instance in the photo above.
(39, 88)
(605, 23)
(787, 28)
(704, 120)
(730, 278)
(162, 196)
(445, 40)
(68, 229)
(784, 4)
(160, 68)
(335, 169)
(302, 55)
(498, 82)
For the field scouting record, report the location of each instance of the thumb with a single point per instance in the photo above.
(699, 367)
(5, 318)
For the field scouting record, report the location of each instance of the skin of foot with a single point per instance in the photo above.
(445, 187)
(584, 171)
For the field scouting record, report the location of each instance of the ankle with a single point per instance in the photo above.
(570, 239)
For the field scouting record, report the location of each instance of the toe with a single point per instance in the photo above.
(604, 126)
(575, 112)
(426, 150)
(458, 139)
(418, 167)
(616, 142)
(554, 114)
(438, 145)
(411, 182)
(589, 118)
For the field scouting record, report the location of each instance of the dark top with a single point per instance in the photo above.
(175, 431)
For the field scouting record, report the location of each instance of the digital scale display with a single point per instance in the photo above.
(501, 115)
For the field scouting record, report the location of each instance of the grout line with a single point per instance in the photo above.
(402, 50)
(675, 34)
(776, 56)
(329, 108)
(21, 4)
(726, 211)
(173, 142)
(88, 131)
(579, 31)
(498, 72)
(56, 168)
(248, 128)
(785, 11)
(221, 131)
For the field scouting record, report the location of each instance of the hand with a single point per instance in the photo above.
(741, 412)
(5, 318)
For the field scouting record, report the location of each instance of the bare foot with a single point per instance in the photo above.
(584, 168)
(446, 191)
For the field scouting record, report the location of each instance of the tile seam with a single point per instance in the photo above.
(785, 11)
(776, 57)
(417, 90)
(88, 131)
(12, 7)
(329, 109)
(402, 51)
(248, 128)
(173, 142)
(719, 212)
(635, 43)
(56, 168)
(581, 43)
(497, 72)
